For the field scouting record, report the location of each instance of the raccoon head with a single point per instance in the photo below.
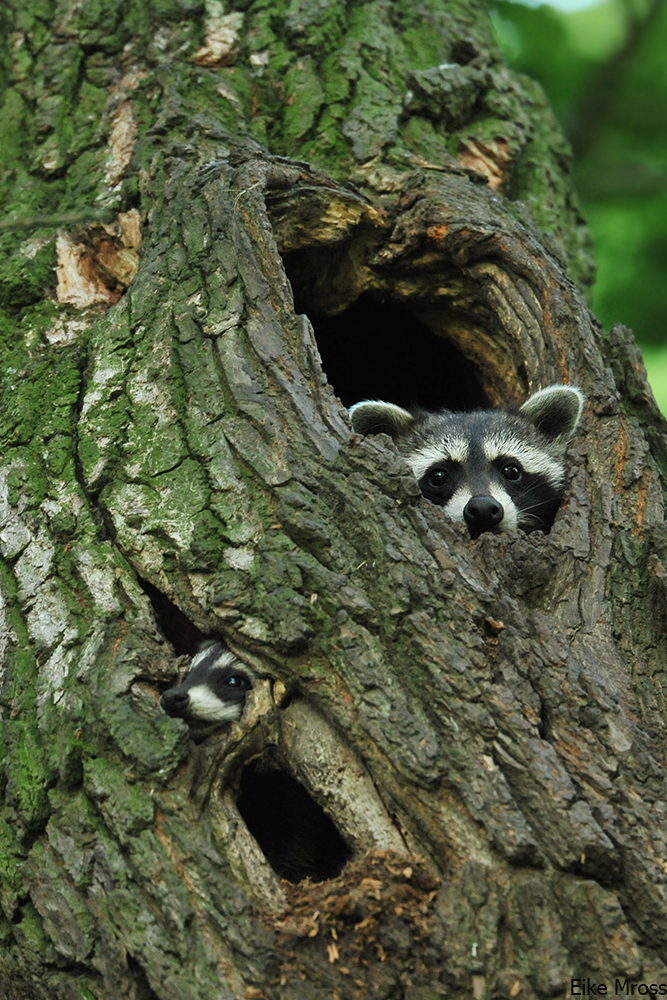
(493, 469)
(213, 693)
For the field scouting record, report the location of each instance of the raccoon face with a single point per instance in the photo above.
(213, 693)
(492, 469)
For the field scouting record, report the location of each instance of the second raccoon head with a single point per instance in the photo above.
(213, 693)
(492, 469)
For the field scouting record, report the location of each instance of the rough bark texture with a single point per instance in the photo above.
(483, 721)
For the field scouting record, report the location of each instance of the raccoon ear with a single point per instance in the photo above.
(555, 412)
(373, 416)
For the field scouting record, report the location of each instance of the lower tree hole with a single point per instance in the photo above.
(380, 350)
(297, 837)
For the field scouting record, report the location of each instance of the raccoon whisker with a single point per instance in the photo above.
(534, 506)
(526, 516)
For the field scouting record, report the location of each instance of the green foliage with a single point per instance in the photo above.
(655, 359)
(536, 42)
(605, 73)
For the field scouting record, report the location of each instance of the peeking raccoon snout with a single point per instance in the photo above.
(483, 513)
(213, 693)
(491, 469)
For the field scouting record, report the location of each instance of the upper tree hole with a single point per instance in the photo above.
(380, 350)
(175, 626)
(296, 836)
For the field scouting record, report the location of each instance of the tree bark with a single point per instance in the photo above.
(207, 214)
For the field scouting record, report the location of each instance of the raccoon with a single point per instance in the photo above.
(492, 469)
(213, 693)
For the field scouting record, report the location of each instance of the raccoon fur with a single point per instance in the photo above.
(492, 469)
(213, 693)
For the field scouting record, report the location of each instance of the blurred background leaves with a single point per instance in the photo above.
(604, 68)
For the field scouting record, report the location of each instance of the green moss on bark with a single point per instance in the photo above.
(29, 773)
(327, 83)
(25, 279)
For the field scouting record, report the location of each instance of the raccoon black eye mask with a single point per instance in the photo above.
(213, 693)
(492, 469)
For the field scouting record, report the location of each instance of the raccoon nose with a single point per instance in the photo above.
(175, 702)
(482, 513)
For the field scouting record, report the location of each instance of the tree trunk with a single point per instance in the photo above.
(216, 224)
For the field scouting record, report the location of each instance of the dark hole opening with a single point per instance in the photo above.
(142, 989)
(297, 837)
(175, 626)
(380, 350)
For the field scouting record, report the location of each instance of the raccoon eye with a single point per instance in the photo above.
(512, 470)
(437, 477)
(237, 681)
